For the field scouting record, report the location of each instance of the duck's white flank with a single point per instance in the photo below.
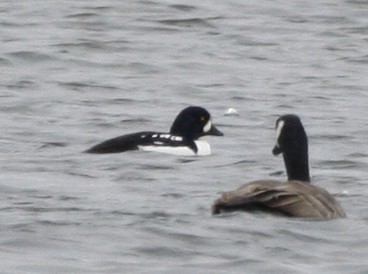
(203, 147)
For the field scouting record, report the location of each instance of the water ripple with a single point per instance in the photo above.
(77, 72)
(31, 56)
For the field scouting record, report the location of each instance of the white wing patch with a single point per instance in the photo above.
(166, 136)
(176, 138)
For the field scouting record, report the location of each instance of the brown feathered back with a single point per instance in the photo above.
(292, 199)
(295, 198)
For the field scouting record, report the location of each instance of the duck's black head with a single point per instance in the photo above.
(292, 142)
(193, 123)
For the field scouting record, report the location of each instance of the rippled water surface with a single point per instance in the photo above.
(74, 73)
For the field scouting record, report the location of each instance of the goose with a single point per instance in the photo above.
(296, 197)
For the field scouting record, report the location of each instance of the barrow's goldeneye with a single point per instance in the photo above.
(191, 123)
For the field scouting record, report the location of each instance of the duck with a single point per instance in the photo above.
(191, 123)
(296, 197)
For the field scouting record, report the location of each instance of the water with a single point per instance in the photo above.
(74, 73)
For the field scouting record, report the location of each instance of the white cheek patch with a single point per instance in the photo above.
(207, 127)
(279, 128)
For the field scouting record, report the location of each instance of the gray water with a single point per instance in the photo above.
(74, 73)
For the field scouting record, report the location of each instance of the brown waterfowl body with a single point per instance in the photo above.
(294, 198)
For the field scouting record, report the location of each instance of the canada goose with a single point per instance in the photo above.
(294, 198)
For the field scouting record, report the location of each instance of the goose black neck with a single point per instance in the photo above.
(297, 163)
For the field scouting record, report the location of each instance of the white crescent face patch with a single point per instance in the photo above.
(207, 127)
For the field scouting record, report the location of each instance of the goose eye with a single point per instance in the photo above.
(202, 118)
